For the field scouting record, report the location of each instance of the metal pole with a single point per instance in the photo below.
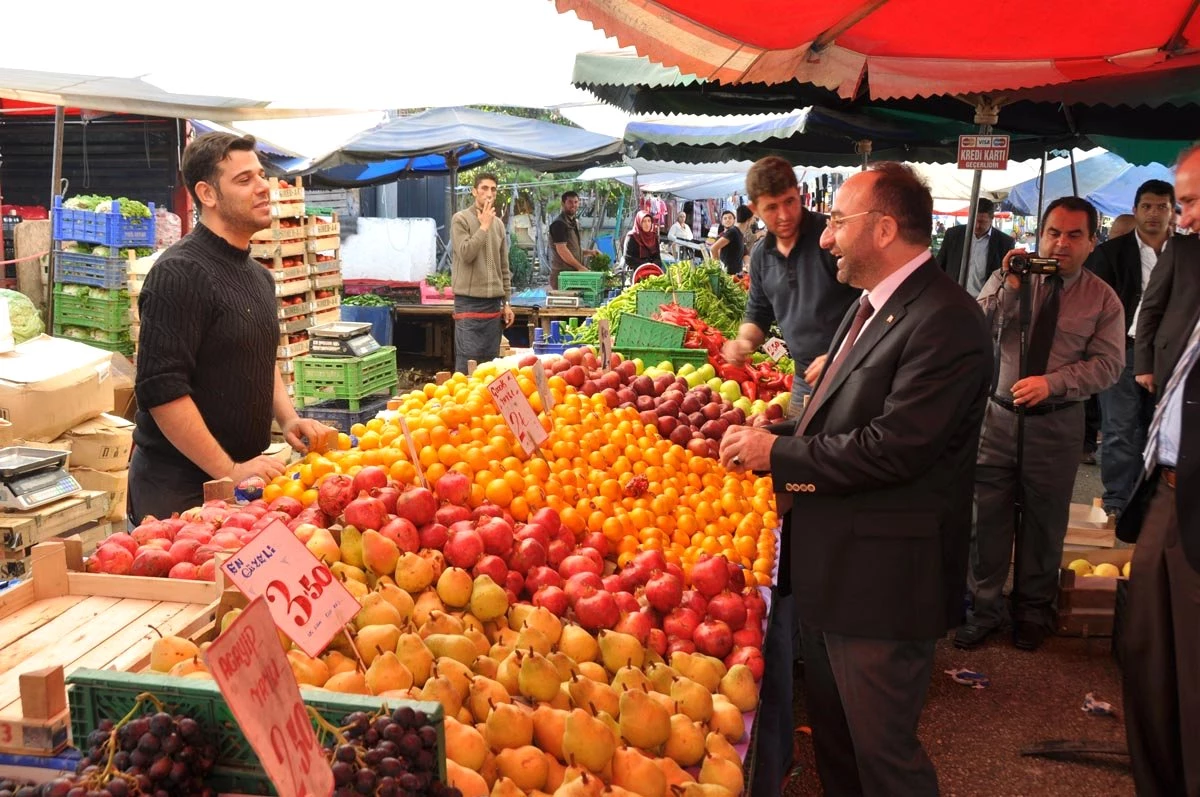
(1025, 314)
(986, 115)
(1041, 192)
(56, 159)
(452, 165)
(863, 147)
(1074, 179)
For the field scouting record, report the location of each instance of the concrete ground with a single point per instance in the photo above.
(975, 736)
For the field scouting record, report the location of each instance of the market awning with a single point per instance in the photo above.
(1107, 181)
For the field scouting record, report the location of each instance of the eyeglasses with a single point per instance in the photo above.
(836, 223)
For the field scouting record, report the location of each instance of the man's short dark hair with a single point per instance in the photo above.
(744, 214)
(569, 195)
(985, 205)
(1074, 204)
(770, 176)
(203, 155)
(901, 194)
(1154, 188)
(481, 176)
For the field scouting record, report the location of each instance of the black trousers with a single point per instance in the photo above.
(161, 488)
(864, 701)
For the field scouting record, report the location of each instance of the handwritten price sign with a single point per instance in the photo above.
(776, 349)
(306, 601)
(249, 666)
(517, 412)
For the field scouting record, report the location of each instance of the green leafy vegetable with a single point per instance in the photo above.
(366, 300)
(24, 317)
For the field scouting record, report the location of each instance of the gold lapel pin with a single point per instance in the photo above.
(889, 318)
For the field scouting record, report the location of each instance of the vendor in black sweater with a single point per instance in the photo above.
(207, 383)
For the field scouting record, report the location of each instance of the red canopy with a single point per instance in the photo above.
(907, 48)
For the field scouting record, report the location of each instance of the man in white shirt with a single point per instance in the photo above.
(1160, 641)
(1125, 263)
(988, 247)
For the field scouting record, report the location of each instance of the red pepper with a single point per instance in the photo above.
(750, 390)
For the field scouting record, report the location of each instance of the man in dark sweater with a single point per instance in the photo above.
(207, 383)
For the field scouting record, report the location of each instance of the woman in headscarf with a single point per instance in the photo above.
(642, 244)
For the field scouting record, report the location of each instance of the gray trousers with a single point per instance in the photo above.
(476, 338)
(1161, 657)
(1052, 445)
(864, 702)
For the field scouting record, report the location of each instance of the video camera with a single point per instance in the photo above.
(1022, 265)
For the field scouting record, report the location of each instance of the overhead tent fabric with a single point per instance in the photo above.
(445, 139)
(1107, 181)
(903, 48)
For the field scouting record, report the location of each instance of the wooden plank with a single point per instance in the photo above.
(21, 530)
(50, 561)
(62, 632)
(187, 623)
(143, 588)
(27, 618)
(16, 597)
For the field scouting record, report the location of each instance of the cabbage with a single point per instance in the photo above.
(102, 251)
(26, 321)
(103, 207)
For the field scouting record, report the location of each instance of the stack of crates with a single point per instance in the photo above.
(343, 391)
(590, 285)
(642, 337)
(281, 250)
(323, 245)
(91, 296)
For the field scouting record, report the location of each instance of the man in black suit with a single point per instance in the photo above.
(881, 469)
(988, 247)
(1161, 631)
(1126, 263)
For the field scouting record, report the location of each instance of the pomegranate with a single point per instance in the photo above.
(207, 571)
(553, 598)
(634, 576)
(557, 552)
(636, 624)
(365, 513)
(755, 603)
(174, 523)
(453, 488)
(664, 591)
(737, 577)
(657, 641)
(228, 540)
(627, 602)
(151, 562)
(372, 477)
(335, 493)
(403, 533)
(284, 504)
(577, 584)
(239, 520)
(183, 550)
(612, 583)
(675, 644)
(541, 576)
(389, 496)
(463, 549)
(111, 558)
(527, 555)
(497, 536)
(596, 610)
(751, 657)
(547, 518)
(151, 529)
(576, 563)
(124, 540)
(417, 505)
(184, 570)
(729, 608)
(314, 515)
(681, 623)
(433, 535)
(493, 567)
(596, 541)
(748, 636)
(514, 583)
(450, 514)
(487, 509)
(650, 560)
(534, 531)
(710, 575)
(713, 638)
(205, 553)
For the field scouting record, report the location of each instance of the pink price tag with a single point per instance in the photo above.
(249, 666)
(517, 411)
(776, 349)
(307, 602)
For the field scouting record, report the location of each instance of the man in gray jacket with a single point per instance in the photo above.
(480, 277)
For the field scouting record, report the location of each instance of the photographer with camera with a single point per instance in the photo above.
(1059, 333)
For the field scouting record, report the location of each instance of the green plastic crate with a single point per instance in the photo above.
(642, 332)
(96, 309)
(109, 341)
(581, 280)
(348, 378)
(653, 356)
(649, 301)
(95, 695)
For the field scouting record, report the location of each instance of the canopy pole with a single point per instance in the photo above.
(1041, 192)
(986, 115)
(452, 165)
(56, 164)
(863, 147)
(1074, 178)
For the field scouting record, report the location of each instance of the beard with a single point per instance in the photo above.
(240, 217)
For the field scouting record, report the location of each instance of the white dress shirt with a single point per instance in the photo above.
(1149, 259)
(884, 290)
(1172, 422)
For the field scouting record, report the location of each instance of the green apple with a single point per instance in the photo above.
(666, 366)
(706, 372)
(638, 366)
(685, 369)
(652, 372)
(745, 406)
(693, 380)
(715, 383)
(730, 391)
(784, 400)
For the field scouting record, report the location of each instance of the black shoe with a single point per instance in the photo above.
(970, 636)
(1087, 458)
(1028, 636)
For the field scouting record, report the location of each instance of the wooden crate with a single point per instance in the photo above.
(19, 530)
(64, 618)
(278, 232)
(286, 351)
(17, 564)
(290, 326)
(292, 311)
(292, 287)
(324, 244)
(321, 305)
(326, 317)
(274, 251)
(294, 193)
(329, 279)
(319, 268)
(322, 229)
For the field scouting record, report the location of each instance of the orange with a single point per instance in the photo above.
(272, 491)
(499, 492)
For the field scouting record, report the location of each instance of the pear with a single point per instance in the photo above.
(379, 554)
(588, 694)
(577, 643)
(529, 637)
(351, 546)
(583, 786)
(544, 620)
(377, 611)
(441, 690)
(674, 773)
(505, 636)
(694, 789)
(638, 773)
(488, 599)
(516, 615)
(345, 572)
(200, 675)
(482, 694)
(308, 671)
(386, 673)
(457, 673)
(425, 605)
(467, 781)
(336, 661)
(628, 678)
(490, 772)
(454, 587)
(524, 766)
(481, 643)
(718, 745)
(323, 546)
(614, 790)
(470, 622)
(564, 664)
(537, 679)
(644, 723)
(168, 651)
(357, 589)
(593, 670)
(722, 772)
(618, 650)
(666, 701)
(350, 683)
(661, 676)
(196, 664)
(549, 725)
(464, 744)
(505, 787)
(485, 666)
(686, 742)
(693, 699)
(439, 622)
(371, 639)
(414, 655)
(453, 646)
(561, 699)
(509, 725)
(555, 771)
(727, 719)
(226, 621)
(413, 573)
(704, 670)
(652, 657)
(400, 600)
(587, 741)
(738, 685)
(437, 563)
(509, 670)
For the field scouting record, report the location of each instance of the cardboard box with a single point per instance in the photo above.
(124, 399)
(1088, 526)
(115, 483)
(100, 443)
(50, 384)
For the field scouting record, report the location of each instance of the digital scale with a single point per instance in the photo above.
(341, 339)
(570, 299)
(31, 477)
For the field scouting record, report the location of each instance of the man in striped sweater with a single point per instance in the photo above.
(480, 277)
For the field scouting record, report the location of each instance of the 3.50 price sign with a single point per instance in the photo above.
(306, 601)
(249, 666)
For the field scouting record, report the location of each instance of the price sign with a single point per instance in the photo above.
(606, 342)
(543, 387)
(517, 412)
(983, 152)
(776, 349)
(249, 666)
(306, 601)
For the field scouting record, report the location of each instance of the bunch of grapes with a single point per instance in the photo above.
(389, 755)
(17, 788)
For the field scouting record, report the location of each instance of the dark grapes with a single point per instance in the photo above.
(390, 755)
(156, 755)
